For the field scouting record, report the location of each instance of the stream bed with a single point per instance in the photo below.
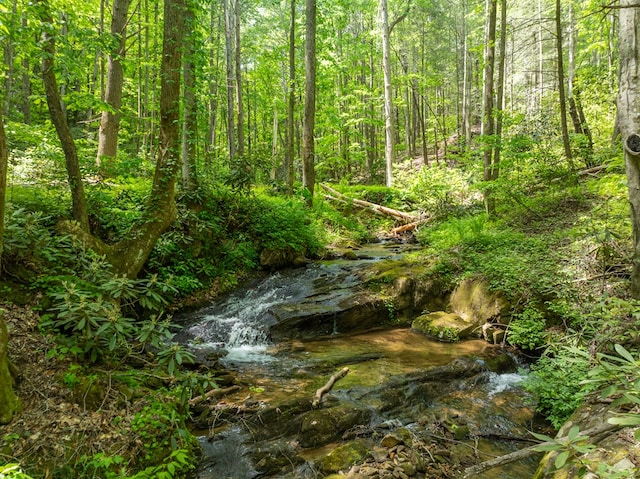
(409, 406)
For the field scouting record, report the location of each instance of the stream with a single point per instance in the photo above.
(409, 406)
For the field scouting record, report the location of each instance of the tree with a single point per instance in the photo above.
(488, 124)
(189, 115)
(562, 101)
(59, 119)
(128, 256)
(389, 127)
(229, 58)
(291, 101)
(628, 119)
(110, 119)
(9, 402)
(308, 127)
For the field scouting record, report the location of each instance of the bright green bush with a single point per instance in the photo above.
(527, 329)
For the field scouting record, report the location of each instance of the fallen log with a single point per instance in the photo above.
(373, 207)
(473, 471)
(214, 393)
(327, 387)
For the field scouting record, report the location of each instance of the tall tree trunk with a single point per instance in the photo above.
(563, 102)
(291, 88)
(229, 41)
(189, 115)
(214, 85)
(9, 402)
(488, 124)
(58, 117)
(309, 120)
(389, 127)
(238, 78)
(466, 80)
(110, 120)
(499, 109)
(26, 83)
(628, 119)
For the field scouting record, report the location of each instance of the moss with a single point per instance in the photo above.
(9, 401)
(343, 457)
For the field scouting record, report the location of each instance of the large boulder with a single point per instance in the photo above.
(447, 327)
(476, 303)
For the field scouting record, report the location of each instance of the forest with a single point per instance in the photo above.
(157, 156)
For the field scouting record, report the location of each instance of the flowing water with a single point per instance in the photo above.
(238, 328)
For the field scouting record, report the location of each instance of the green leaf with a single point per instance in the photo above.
(547, 447)
(542, 437)
(573, 433)
(627, 420)
(561, 460)
(624, 353)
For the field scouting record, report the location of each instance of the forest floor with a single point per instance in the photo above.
(61, 419)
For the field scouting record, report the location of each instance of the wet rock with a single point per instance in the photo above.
(272, 458)
(323, 426)
(343, 457)
(273, 258)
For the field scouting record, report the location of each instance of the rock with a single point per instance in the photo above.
(343, 457)
(323, 426)
(447, 327)
(273, 259)
(474, 302)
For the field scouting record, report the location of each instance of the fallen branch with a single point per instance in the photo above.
(373, 207)
(214, 393)
(327, 387)
(531, 450)
(407, 227)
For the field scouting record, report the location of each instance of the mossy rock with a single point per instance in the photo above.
(446, 327)
(322, 426)
(474, 302)
(343, 457)
(9, 402)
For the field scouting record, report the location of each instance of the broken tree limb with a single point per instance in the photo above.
(214, 393)
(473, 471)
(327, 387)
(405, 217)
(407, 227)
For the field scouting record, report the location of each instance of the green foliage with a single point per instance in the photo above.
(615, 376)
(527, 329)
(556, 382)
(160, 427)
(12, 471)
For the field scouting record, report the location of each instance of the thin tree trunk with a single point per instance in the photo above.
(58, 117)
(308, 127)
(26, 83)
(189, 115)
(389, 127)
(228, 36)
(291, 88)
(238, 77)
(495, 167)
(110, 121)
(488, 125)
(214, 86)
(563, 102)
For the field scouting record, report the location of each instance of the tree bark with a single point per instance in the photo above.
(238, 78)
(628, 119)
(110, 119)
(562, 100)
(228, 43)
(291, 88)
(309, 120)
(488, 124)
(389, 127)
(189, 115)
(58, 117)
(9, 402)
(499, 109)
